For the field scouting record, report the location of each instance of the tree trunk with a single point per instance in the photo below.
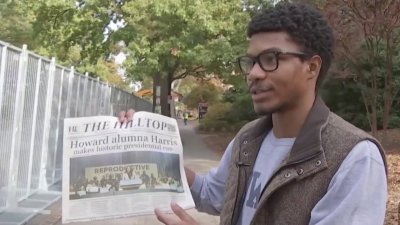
(374, 118)
(388, 95)
(374, 105)
(164, 82)
(156, 82)
(370, 103)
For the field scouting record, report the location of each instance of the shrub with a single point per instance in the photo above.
(216, 116)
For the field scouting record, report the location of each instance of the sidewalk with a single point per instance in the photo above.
(196, 156)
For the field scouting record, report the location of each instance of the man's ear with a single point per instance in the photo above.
(314, 66)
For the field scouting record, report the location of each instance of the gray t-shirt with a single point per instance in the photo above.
(273, 151)
(356, 195)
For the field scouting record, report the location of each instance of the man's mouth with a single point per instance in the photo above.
(256, 91)
(260, 94)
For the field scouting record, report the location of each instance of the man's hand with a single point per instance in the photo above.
(126, 116)
(190, 176)
(183, 217)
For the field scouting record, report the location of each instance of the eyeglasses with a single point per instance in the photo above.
(267, 60)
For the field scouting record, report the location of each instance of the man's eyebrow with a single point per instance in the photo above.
(273, 49)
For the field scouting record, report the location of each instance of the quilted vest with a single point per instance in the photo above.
(304, 176)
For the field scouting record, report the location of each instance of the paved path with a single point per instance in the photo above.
(196, 156)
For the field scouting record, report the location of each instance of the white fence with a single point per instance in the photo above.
(35, 96)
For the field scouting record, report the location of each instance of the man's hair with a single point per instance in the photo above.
(305, 25)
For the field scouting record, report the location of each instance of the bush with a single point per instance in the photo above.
(216, 117)
(394, 121)
(226, 117)
(243, 109)
(239, 125)
(344, 98)
(242, 105)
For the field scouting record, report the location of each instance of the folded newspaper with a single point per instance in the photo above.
(113, 169)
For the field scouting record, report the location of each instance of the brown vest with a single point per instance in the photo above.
(304, 176)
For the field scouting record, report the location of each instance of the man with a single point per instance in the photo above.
(145, 178)
(299, 163)
(185, 117)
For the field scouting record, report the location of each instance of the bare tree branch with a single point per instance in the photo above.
(187, 72)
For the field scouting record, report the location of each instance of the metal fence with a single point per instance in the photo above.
(36, 95)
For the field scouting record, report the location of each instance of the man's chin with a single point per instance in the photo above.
(264, 110)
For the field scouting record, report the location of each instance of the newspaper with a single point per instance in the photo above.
(113, 169)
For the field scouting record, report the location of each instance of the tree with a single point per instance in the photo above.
(255, 6)
(165, 40)
(75, 32)
(79, 26)
(204, 92)
(107, 71)
(367, 34)
(187, 85)
(16, 23)
(336, 94)
(172, 39)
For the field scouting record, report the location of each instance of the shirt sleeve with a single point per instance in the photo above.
(208, 191)
(357, 193)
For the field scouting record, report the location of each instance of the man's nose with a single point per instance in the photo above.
(256, 73)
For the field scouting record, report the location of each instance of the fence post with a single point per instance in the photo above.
(12, 201)
(3, 198)
(58, 124)
(43, 185)
(85, 100)
(69, 94)
(78, 90)
(98, 97)
(2, 71)
(90, 98)
(35, 106)
(104, 99)
(109, 105)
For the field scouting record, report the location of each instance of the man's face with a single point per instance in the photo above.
(279, 90)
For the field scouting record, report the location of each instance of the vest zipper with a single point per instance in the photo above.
(235, 216)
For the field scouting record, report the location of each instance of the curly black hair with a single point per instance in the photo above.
(305, 25)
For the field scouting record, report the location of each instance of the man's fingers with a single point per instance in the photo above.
(126, 116)
(129, 114)
(181, 213)
(184, 218)
(121, 116)
(164, 218)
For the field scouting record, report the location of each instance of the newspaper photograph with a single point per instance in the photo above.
(113, 169)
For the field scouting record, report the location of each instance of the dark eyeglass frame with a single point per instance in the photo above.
(256, 59)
